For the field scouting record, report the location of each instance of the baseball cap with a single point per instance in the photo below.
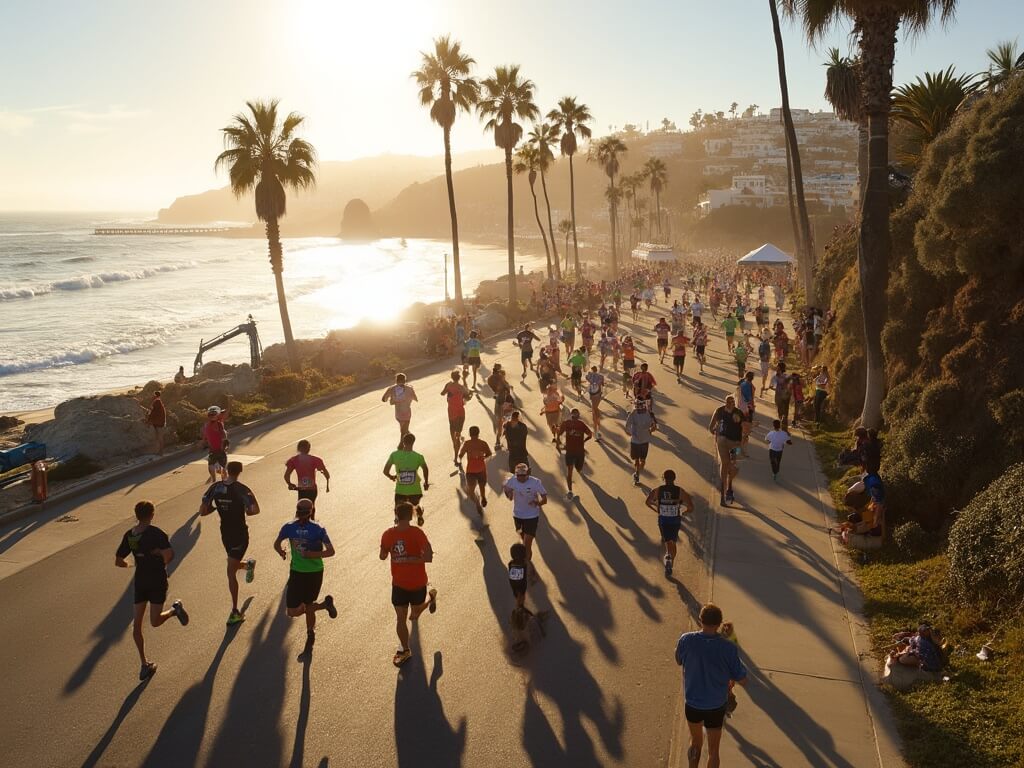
(522, 469)
(213, 410)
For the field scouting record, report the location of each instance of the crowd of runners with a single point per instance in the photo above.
(594, 349)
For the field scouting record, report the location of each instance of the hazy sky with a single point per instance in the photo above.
(116, 105)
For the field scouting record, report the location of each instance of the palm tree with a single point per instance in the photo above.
(506, 96)
(571, 119)
(657, 177)
(263, 155)
(543, 137)
(928, 106)
(606, 154)
(613, 195)
(528, 161)
(804, 242)
(446, 87)
(842, 91)
(628, 183)
(565, 229)
(733, 107)
(1004, 63)
(876, 23)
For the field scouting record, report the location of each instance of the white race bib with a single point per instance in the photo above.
(516, 572)
(407, 476)
(668, 510)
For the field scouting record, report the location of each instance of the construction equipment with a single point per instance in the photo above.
(255, 347)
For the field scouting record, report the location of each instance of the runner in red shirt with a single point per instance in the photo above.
(305, 466)
(477, 451)
(409, 551)
(643, 386)
(215, 437)
(456, 394)
(576, 434)
(662, 330)
(679, 344)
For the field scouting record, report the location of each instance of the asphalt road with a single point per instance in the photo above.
(600, 689)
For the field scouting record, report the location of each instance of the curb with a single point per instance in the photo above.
(244, 430)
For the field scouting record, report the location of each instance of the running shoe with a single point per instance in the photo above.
(250, 570)
(456, 463)
(636, 478)
(180, 612)
(328, 603)
(569, 495)
(147, 671)
(722, 500)
(401, 656)
(307, 649)
(432, 603)
(235, 617)
(668, 566)
(729, 496)
(419, 516)
(483, 502)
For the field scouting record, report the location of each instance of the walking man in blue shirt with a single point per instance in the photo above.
(709, 663)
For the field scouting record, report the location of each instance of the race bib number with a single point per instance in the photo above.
(668, 510)
(516, 573)
(407, 476)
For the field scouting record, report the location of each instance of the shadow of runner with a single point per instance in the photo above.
(101, 746)
(299, 745)
(423, 735)
(182, 735)
(257, 698)
(119, 619)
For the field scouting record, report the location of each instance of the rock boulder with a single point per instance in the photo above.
(104, 428)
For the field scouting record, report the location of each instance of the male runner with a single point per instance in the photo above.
(696, 309)
(643, 386)
(215, 437)
(407, 464)
(305, 466)
(729, 326)
(456, 394)
(515, 433)
(700, 341)
(662, 329)
(595, 388)
(568, 326)
(309, 545)
(152, 552)
(628, 357)
(587, 330)
(473, 347)
(552, 410)
(576, 435)
(500, 387)
(233, 502)
(401, 395)
(410, 551)
(665, 500)
(528, 496)
(524, 340)
(764, 357)
(640, 423)
(727, 427)
(577, 361)
(477, 452)
(679, 344)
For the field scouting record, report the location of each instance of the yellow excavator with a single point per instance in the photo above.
(255, 346)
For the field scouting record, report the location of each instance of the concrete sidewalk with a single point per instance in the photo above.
(812, 699)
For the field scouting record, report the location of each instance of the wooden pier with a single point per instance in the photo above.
(160, 230)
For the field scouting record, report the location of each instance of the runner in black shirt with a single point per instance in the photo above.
(233, 501)
(515, 439)
(524, 340)
(152, 552)
(727, 427)
(670, 502)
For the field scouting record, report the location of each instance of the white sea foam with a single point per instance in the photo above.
(83, 282)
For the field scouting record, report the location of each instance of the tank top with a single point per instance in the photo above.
(668, 501)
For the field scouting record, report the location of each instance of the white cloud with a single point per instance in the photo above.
(75, 119)
(14, 123)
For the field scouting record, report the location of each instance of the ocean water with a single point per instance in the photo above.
(81, 313)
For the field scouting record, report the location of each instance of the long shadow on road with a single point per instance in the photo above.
(101, 746)
(113, 626)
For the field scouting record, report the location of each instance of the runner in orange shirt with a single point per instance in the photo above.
(409, 551)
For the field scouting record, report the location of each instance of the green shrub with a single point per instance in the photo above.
(283, 389)
(243, 412)
(911, 540)
(77, 466)
(986, 543)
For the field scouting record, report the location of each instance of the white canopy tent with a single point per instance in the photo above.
(766, 256)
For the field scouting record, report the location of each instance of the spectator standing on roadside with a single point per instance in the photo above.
(156, 417)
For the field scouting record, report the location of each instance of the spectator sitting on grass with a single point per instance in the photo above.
(918, 649)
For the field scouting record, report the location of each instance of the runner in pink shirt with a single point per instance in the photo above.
(305, 466)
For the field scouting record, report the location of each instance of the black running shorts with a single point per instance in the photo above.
(303, 588)
(709, 718)
(400, 597)
(527, 526)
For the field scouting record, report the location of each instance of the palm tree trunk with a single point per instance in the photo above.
(878, 50)
(807, 255)
(513, 297)
(612, 211)
(277, 267)
(456, 263)
(862, 157)
(551, 229)
(567, 253)
(657, 202)
(572, 215)
(798, 248)
(544, 237)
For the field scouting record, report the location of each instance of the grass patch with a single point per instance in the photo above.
(977, 717)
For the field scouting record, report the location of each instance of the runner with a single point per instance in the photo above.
(746, 404)
(666, 286)
(473, 348)
(233, 502)
(515, 432)
(215, 438)
(587, 331)
(727, 427)
(777, 441)
(552, 411)
(665, 500)
(709, 663)
(740, 354)
(640, 424)
(500, 387)
(151, 549)
(729, 325)
(309, 545)
(401, 395)
(679, 344)
(528, 496)
(568, 326)
(305, 468)
(477, 452)
(662, 330)
(524, 340)
(576, 435)
(407, 464)
(643, 386)
(410, 551)
(595, 388)
(634, 305)
(456, 395)
(764, 358)
(628, 358)
(700, 341)
(696, 309)
(578, 361)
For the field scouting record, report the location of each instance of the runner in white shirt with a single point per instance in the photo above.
(696, 309)
(528, 496)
